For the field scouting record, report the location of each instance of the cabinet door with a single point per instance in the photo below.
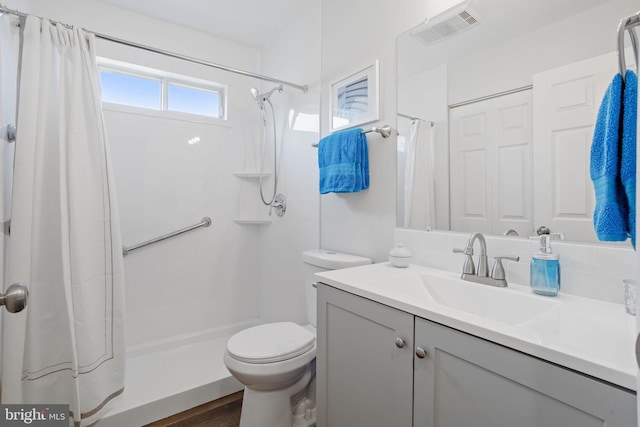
(364, 378)
(467, 381)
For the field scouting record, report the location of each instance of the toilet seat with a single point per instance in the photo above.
(269, 343)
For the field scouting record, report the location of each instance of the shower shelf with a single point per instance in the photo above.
(252, 175)
(253, 221)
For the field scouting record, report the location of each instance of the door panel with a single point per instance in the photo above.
(566, 102)
(491, 182)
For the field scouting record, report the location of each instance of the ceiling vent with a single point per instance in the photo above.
(446, 24)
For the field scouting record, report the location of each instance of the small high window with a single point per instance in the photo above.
(127, 89)
(154, 90)
(194, 100)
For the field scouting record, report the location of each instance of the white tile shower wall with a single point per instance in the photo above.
(197, 281)
(594, 271)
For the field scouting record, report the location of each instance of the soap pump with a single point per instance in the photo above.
(545, 269)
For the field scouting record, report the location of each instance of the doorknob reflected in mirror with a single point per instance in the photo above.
(15, 298)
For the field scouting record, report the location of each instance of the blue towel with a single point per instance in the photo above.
(628, 151)
(343, 159)
(610, 218)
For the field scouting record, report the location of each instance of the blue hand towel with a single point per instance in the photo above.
(343, 159)
(610, 218)
(628, 151)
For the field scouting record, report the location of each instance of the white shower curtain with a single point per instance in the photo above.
(419, 191)
(65, 236)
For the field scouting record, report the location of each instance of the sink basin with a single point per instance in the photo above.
(512, 305)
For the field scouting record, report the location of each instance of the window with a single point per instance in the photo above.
(194, 100)
(130, 85)
(126, 89)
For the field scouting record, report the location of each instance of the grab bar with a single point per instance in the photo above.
(206, 221)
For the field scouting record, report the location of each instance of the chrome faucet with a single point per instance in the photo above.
(469, 273)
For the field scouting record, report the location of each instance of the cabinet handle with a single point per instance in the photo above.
(399, 342)
(421, 352)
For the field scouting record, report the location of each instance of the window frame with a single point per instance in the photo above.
(166, 78)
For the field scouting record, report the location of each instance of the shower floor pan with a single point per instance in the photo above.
(165, 378)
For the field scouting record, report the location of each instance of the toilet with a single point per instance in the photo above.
(276, 361)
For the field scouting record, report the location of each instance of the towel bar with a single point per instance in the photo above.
(624, 25)
(385, 131)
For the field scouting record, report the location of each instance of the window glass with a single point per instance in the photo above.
(127, 89)
(136, 86)
(193, 100)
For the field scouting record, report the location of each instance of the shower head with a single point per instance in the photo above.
(256, 95)
(260, 98)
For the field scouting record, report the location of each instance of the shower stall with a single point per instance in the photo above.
(184, 296)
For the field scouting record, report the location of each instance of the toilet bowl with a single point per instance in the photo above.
(270, 356)
(276, 361)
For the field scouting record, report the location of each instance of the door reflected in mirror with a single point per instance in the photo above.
(495, 122)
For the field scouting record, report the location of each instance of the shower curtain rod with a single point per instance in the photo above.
(406, 116)
(493, 95)
(304, 88)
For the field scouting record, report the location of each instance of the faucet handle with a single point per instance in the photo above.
(497, 272)
(469, 267)
(466, 251)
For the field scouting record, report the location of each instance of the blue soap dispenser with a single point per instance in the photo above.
(545, 269)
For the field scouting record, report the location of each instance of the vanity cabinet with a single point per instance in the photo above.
(468, 381)
(441, 377)
(364, 362)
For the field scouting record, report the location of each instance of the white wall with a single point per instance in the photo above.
(295, 57)
(354, 34)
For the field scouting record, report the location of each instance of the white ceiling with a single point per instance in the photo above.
(252, 22)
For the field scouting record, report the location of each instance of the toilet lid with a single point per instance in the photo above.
(272, 342)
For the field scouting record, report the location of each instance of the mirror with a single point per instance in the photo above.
(495, 120)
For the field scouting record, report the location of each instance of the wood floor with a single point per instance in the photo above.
(224, 412)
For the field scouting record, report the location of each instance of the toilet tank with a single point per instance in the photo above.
(317, 260)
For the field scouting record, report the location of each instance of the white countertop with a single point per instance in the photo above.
(590, 336)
